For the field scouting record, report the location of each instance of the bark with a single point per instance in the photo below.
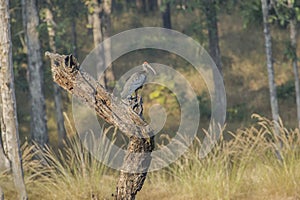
(98, 38)
(74, 36)
(4, 162)
(166, 14)
(141, 5)
(71, 9)
(152, 4)
(3, 133)
(272, 86)
(66, 73)
(9, 111)
(268, 46)
(293, 37)
(101, 24)
(39, 131)
(106, 31)
(57, 95)
(210, 11)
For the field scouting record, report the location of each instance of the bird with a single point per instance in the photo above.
(136, 82)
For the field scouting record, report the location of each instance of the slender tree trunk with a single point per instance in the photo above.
(210, 11)
(268, 46)
(165, 9)
(39, 131)
(152, 4)
(9, 111)
(141, 5)
(74, 36)
(57, 95)
(106, 30)
(73, 12)
(272, 86)
(98, 38)
(293, 36)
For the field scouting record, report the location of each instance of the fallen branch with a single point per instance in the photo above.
(67, 74)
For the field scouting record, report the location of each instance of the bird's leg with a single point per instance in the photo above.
(134, 100)
(136, 95)
(137, 106)
(140, 106)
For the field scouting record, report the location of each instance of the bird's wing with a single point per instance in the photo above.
(135, 81)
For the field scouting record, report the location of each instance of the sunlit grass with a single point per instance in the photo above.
(244, 167)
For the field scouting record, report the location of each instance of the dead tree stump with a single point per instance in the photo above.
(67, 74)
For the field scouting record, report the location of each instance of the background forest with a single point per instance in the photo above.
(242, 166)
(241, 42)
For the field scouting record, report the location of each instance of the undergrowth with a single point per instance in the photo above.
(244, 167)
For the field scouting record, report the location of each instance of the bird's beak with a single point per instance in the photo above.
(149, 66)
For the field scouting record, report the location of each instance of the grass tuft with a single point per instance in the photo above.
(243, 167)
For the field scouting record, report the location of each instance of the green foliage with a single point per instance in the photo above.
(290, 51)
(286, 90)
(251, 12)
(237, 112)
(161, 94)
(204, 105)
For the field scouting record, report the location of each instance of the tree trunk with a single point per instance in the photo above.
(73, 13)
(130, 183)
(152, 4)
(98, 38)
(272, 86)
(9, 111)
(39, 131)
(57, 96)
(140, 5)
(4, 162)
(268, 46)
(65, 72)
(210, 11)
(165, 13)
(106, 30)
(74, 36)
(293, 37)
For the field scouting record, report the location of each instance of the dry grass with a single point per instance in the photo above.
(244, 167)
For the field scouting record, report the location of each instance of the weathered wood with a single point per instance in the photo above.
(66, 73)
(9, 111)
(4, 162)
